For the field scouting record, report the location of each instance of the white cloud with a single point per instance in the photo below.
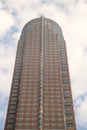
(6, 68)
(6, 22)
(1, 5)
(81, 111)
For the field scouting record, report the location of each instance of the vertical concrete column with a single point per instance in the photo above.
(41, 79)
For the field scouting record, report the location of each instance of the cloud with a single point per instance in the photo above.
(3, 109)
(6, 68)
(6, 22)
(1, 5)
(81, 111)
(71, 16)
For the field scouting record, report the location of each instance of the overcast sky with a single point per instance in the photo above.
(71, 15)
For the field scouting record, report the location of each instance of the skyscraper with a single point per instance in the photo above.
(41, 96)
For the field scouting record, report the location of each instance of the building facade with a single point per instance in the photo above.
(40, 97)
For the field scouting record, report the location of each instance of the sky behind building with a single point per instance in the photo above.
(72, 17)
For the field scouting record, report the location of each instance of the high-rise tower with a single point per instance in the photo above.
(41, 96)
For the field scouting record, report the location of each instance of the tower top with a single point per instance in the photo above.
(46, 22)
